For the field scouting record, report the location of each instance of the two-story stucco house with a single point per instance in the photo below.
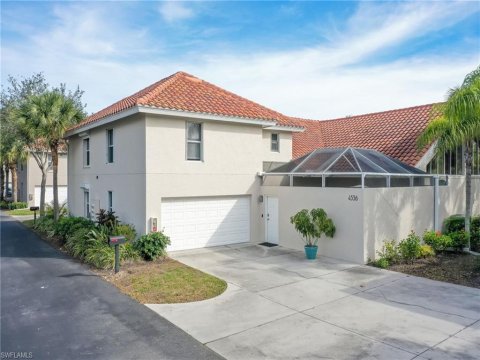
(181, 154)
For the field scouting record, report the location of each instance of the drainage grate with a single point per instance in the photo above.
(267, 244)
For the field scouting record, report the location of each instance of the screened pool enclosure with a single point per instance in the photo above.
(347, 167)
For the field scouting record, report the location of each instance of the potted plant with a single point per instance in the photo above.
(312, 225)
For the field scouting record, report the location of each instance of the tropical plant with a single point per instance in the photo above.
(312, 225)
(18, 91)
(47, 116)
(152, 245)
(390, 252)
(458, 124)
(126, 230)
(437, 240)
(410, 248)
(107, 219)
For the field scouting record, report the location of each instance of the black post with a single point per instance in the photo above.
(34, 217)
(117, 259)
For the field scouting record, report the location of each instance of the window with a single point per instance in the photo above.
(86, 152)
(110, 146)
(86, 203)
(110, 201)
(275, 143)
(194, 141)
(49, 161)
(449, 163)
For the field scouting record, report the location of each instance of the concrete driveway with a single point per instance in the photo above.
(280, 306)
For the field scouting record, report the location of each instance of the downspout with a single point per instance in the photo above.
(436, 203)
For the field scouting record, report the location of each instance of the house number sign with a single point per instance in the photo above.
(353, 197)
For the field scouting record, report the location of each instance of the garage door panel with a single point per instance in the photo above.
(62, 195)
(200, 222)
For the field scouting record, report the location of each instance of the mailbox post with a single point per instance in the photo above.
(116, 241)
(34, 209)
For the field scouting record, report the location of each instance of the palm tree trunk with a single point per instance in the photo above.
(468, 190)
(13, 170)
(54, 149)
(7, 175)
(2, 183)
(42, 191)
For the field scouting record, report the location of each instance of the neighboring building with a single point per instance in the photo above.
(30, 179)
(188, 157)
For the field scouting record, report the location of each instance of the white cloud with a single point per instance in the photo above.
(173, 11)
(323, 81)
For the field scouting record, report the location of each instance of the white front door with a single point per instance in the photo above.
(271, 219)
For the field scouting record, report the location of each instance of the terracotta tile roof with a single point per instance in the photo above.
(392, 132)
(185, 92)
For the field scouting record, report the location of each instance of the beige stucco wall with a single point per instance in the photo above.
(30, 176)
(390, 214)
(346, 214)
(125, 177)
(285, 147)
(232, 156)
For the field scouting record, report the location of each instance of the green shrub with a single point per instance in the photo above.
(453, 223)
(426, 251)
(126, 230)
(62, 210)
(152, 245)
(69, 224)
(76, 243)
(437, 241)
(459, 239)
(99, 254)
(129, 252)
(107, 219)
(17, 205)
(390, 252)
(381, 263)
(410, 247)
(45, 224)
(4, 204)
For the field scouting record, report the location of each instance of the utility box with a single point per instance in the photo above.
(153, 225)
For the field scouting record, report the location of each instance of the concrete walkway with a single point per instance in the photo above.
(280, 306)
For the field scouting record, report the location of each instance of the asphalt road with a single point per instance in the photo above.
(55, 308)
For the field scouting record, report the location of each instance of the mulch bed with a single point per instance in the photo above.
(455, 268)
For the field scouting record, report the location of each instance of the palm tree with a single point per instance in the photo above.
(13, 151)
(48, 115)
(457, 125)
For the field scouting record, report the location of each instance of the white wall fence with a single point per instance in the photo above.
(365, 218)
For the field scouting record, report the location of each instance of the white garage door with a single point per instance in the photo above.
(210, 221)
(62, 195)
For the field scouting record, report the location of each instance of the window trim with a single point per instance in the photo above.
(187, 141)
(86, 164)
(277, 142)
(112, 146)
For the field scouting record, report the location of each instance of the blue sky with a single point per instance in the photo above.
(310, 59)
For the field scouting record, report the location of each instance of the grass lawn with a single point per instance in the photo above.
(20, 212)
(164, 281)
(461, 269)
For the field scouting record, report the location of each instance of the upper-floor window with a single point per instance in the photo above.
(110, 201)
(49, 162)
(274, 142)
(86, 152)
(194, 141)
(110, 146)
(452, 162)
